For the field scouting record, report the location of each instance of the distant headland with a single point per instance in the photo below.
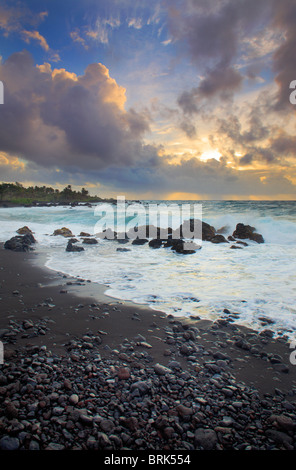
(15, 194)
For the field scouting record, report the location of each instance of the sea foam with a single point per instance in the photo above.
(254, 282)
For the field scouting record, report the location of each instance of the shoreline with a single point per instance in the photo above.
(58, 318)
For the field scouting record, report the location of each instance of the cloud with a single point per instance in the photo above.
(28, 35)
(187, 101)
(102, 29)
(11, 162)
(284, 64)
(135, 23)
(56, 118)
(75, 36)
(13, 19)
(20, 20)
(220, 81)
(58, 126)
(230, 43)
(211, 179)
(225, 40)
(262, 44)
(167, 42)
(98, 31)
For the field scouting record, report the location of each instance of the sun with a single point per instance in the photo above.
(210, 154)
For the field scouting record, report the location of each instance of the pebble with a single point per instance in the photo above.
(73, 399)
(123, 373)
(205, 439)
(161, 370)
(184, 411)
(9, 443)
(81, 400)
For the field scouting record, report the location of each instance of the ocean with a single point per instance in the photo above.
(256, 283)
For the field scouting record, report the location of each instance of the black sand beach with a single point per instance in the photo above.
(85, 371)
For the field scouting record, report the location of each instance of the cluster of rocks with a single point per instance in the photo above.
(24, 329)
(71, 246)
(174, 239)
(126, 400)
(246, 231)
(21, 242)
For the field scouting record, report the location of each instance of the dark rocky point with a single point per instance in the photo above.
(246, 231)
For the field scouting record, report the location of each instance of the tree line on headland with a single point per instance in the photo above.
(17, 194)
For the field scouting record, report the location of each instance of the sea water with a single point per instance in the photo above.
(255, 282)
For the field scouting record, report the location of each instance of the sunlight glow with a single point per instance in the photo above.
(208, 155)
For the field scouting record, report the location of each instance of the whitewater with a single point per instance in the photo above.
(256, 283)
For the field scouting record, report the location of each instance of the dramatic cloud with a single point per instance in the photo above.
(211, 179)
(53, 117)
(284, 57)
(226, 39)
(211, 33)
(204, 108)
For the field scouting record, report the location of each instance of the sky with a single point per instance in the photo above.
(168, 99)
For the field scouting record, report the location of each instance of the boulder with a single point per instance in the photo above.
(20, 243)
(70, 247)
(64, 231)
(243, 231)
(122, 241)
(107, 234)
(223, 229)
(180, 246)
(207, 231)
(257, 237)
(90, 241)
(219, 239)
(155, 243)
(139, 241)
(242, 243)
(149, 231)
(24, 230)
(84, 234)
